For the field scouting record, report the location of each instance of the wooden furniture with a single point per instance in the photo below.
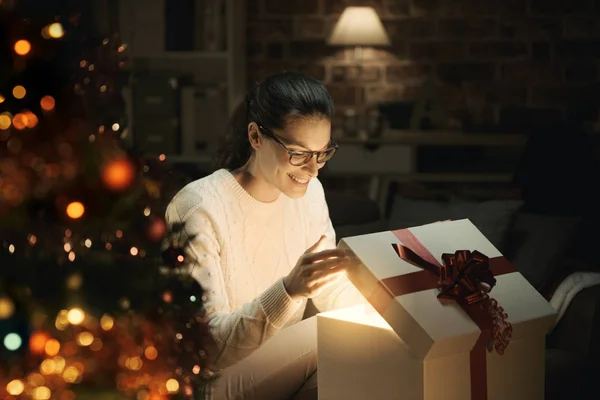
(200, 44)
(397, 156)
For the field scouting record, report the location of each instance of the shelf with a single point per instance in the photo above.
(186, 55)
(440, 138)
(200, 159)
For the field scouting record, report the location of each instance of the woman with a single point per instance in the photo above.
(261, 241)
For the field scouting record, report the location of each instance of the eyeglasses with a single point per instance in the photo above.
(298, 158)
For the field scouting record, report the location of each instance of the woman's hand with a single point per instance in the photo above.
(314, 270)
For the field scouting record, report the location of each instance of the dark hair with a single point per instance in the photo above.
(274, 102)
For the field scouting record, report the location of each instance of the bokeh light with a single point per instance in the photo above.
(5, 121)
(76, 316)
(47, 103)
(75, 210)
(53, 31)
(12, 341)
(19, 92)
(37, 342)
(22, 47)
(118, 174)
(7, 308)
(15, 387)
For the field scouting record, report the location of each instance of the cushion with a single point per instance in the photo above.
(493, 218)
(538, 242)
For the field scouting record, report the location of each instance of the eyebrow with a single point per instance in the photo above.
(289, 142)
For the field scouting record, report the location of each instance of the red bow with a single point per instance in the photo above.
(466, 277)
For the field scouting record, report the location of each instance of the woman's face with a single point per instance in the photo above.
(306, 134)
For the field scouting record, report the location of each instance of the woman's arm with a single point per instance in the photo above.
(236, 333)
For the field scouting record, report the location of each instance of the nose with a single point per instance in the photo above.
(313, 166)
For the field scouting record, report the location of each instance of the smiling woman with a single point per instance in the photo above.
(261, 242)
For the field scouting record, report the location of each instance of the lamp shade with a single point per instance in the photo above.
(359, 26)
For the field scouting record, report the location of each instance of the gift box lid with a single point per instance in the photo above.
(432, 328)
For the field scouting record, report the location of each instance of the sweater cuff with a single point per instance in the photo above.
(277, 304)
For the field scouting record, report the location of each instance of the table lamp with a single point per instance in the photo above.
(358, 27)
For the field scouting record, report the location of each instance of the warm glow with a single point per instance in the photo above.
(2, 99)
(15, 388)
(118, 174)
(75, 210)
(359, 26)
(133, 251)
(19, 92)
(31, 119)
(52, 347)
(134, 363)
(71, 374)
(7, 308)
(62, 320)
(107, 322)
(22, 47)
(5, 121)
(37, 342)
(20, 121)
(36, 379)
(76, 316)
(85, 339)
(47, 103)
(172, 385)
(41, 393)
(55, 30)
(151, 353)
(48, 366)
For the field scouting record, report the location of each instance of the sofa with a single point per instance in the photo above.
(545, 247)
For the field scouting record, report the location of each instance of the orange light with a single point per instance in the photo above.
(32, 119)
(47, 103)
(20, 121)
(37, 342)
(75, 210)
(22, 47)
(19, 92)
(118, 174)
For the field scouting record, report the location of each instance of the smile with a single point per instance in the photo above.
(298, 180)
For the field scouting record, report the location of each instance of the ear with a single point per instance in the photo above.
(254, 136)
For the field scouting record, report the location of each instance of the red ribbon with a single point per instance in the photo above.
(459, 279)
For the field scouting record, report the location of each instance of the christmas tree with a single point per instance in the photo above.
(94, 293)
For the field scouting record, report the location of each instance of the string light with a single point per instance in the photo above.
(15, 387)
(47, 103)
(5, 121)
(19, 92)
(53, 31)
(75, 210)
(22, 47)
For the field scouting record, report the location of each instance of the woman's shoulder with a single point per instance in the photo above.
(202, 194)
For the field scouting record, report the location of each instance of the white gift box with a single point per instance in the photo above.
(418, 347)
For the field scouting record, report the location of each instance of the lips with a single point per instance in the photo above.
(298, 180)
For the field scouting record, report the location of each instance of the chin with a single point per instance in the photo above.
(294, 186)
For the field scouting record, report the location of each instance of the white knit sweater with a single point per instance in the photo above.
(239, 251)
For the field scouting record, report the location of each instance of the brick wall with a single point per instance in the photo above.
(512, 62)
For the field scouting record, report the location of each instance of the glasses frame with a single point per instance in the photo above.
(334, 146)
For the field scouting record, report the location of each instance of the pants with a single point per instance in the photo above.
(283, 368)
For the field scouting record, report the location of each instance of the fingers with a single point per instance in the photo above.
(324, 255)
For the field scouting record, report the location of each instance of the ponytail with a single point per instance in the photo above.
(235, 149)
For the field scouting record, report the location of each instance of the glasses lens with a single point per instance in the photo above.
(300, 159)
(325, 155)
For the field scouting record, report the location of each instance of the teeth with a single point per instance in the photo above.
(302, 181)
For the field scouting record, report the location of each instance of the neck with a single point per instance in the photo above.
(250, 178)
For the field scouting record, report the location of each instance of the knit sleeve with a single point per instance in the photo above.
(236, 333)
(341, 292)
